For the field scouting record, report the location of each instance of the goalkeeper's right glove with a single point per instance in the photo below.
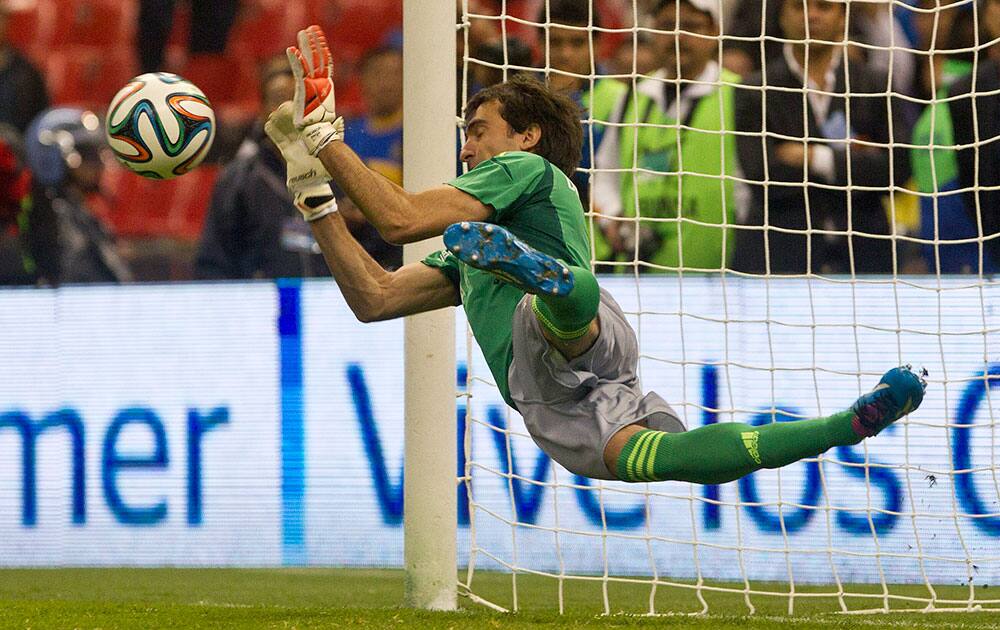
(315, 104)
(307, 178)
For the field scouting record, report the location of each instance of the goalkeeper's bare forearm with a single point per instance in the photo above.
(399, 216)
(373, 293)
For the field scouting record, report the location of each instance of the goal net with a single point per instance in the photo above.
(782, 218)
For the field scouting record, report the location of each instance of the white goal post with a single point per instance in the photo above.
(429, 522)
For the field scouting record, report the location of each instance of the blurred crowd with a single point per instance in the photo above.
(782, 137)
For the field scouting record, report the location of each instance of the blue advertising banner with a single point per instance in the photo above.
(261, 425)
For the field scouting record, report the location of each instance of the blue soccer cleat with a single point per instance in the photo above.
(494, 249)
(900, 391)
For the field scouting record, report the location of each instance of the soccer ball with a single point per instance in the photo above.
(160, 125)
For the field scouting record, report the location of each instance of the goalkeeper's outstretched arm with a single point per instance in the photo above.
(399, 216)
(373, 293)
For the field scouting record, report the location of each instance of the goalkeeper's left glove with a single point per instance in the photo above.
(307, 178)
(315, 104)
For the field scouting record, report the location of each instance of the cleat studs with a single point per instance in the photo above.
(489, 229)
(456, 248)
(565, 272)
(555, 290)
(474, 257)
(465, 226)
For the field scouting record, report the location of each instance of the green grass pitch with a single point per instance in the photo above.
(339, 598)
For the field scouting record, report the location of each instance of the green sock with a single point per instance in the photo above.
(722, 452)
(568, 317)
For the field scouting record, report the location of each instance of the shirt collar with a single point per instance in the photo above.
(690, 88)
(797, 70)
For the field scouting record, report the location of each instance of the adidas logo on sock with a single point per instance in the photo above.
(750, 439)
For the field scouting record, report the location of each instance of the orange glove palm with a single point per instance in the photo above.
(315, 104)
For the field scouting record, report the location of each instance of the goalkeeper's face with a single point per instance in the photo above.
(487, 135)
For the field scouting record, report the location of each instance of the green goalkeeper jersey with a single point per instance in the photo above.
(538, 204)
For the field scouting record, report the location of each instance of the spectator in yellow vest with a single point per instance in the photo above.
(664, 187)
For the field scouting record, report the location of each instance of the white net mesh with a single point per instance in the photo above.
(779, 233)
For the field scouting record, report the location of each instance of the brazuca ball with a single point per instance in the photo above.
(160, 125)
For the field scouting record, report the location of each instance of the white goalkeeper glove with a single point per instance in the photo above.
(307, 178)
(315, 106)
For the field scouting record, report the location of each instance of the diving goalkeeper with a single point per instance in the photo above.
(517, 259)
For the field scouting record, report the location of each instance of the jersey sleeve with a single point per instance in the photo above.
(501, 181)
(446, 262)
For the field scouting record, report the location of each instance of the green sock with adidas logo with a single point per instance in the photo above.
(718, 453)
(568, 317)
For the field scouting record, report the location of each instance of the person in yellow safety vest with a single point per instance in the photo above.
(670, 161)
(570, 48)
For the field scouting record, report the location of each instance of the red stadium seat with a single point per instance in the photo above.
(370, 23)
(24, 26)
(227, 80)
(350, 102)
(265, 29)
(140, 207)
(181, 30)
(88, 76)
(146, 208)
(316, 12)
(86, 47)
(92, 23)
(194, 194)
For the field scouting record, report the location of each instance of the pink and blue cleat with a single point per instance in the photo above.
(494, 249)
(900, 391)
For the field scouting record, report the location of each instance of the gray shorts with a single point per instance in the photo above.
(572, 408)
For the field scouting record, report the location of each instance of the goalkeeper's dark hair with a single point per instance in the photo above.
(525, 101)
(569, 13)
